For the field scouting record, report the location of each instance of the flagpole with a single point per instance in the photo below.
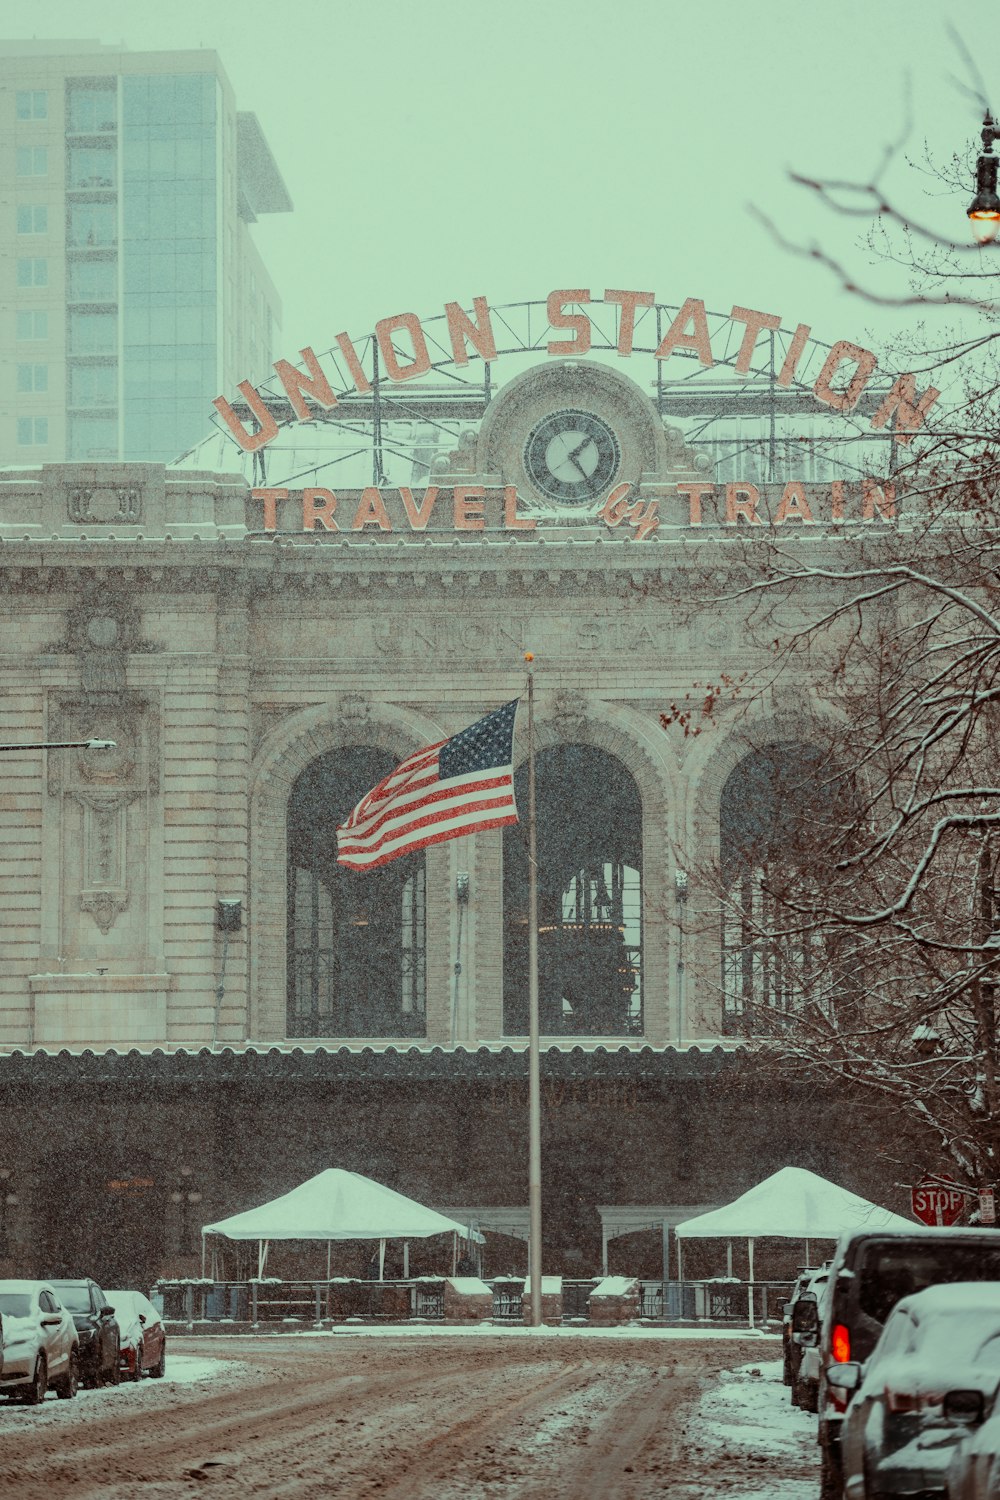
(534, 1083)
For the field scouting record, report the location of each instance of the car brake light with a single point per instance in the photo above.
(841, 1344)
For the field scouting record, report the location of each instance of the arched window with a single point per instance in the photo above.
(589, 825)
(768, 804)
(356, 941)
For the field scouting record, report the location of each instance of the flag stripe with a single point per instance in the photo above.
(396, 834)
(431, 838)
(401, 808)
(440, 792)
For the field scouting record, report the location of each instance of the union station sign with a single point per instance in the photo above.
(578, 441)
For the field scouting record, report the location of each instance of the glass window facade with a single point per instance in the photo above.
(32, 104)
(32, 378)
(356, 944)
(93, 384)
(93, 332)
(91, 108)
(32, 270)
(93, 281)
(32, 161)
(92, 166)
(92, 224)
(32, 325)
(32, 432)
(93, 436)
(169, 195)
(32, 218)
(589, 898)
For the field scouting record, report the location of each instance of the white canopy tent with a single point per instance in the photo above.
(791, 1204)
(337, 1205)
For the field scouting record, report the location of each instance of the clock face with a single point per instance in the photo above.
(572, 457)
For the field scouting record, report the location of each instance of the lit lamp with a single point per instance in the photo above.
(984, 210)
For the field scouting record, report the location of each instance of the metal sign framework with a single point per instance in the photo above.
(407, 424)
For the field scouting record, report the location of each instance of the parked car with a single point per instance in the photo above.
(41, 1348)
(870, 1272)
(805, 1341)
(143, 1347)
(96, 1328)
(802, 1280)
(899, 1430)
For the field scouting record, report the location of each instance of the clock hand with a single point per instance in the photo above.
(574, 457)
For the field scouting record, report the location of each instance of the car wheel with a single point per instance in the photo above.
(114, 1374)
(831, 1484)
(137, 1371)
(160, 1368)
(34, 1394)
(67, 1387)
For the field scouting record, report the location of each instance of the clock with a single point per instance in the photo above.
(572, 456)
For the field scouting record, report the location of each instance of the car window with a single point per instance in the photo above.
(76, 1298)
(47, 1302)
(889, 1272)
(16, 1304)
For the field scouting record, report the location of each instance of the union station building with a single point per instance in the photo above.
(199, 1007)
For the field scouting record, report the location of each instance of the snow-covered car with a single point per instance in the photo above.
(143, 1348)
(871, 1270)
(40, 1344)
(96, 1328)
(805, 1341)
(801, 1282)
(899, 1431)
(974, 1470)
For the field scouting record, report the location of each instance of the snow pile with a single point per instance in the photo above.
(749, 1417)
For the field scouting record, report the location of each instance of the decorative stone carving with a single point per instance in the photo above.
(569, 711)
(104, 907)
(355, 709)
(105, 505)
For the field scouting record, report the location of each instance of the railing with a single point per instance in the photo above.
(721, 1302)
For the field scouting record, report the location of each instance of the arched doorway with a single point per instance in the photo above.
(589, 821)
(356, 940)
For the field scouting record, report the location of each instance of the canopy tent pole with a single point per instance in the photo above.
(534, 1070)
(729, 1257)
(454, 1251)
(381, 1260)
(329, 1251)
(665, 1228)
(406, 1260)
(808, 1261)
(203, 1255)
(680, 1259)
(750, 1282)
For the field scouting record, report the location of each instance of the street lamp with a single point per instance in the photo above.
(984, 210)
(65, 745)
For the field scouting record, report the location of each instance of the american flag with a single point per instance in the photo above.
(457, 786)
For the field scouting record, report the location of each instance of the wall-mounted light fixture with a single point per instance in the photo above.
(229, 915)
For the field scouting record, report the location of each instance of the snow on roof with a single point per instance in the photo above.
(793, 1204)
(337, 1205)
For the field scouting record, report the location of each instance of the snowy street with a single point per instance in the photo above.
(431, 1417)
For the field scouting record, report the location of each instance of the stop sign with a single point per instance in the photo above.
(936, 1201)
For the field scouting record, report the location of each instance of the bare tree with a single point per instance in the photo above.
(857, 908)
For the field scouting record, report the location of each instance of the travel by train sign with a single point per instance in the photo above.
(476, 508)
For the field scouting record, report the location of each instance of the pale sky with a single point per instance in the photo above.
(439, 150)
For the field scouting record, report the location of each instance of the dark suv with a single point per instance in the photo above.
(870, 1271)
(100, 1337)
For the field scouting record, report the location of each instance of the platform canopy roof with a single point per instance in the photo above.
(793, 1204)
(338, 1205)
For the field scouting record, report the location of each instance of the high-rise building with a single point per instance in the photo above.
(130, 288)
